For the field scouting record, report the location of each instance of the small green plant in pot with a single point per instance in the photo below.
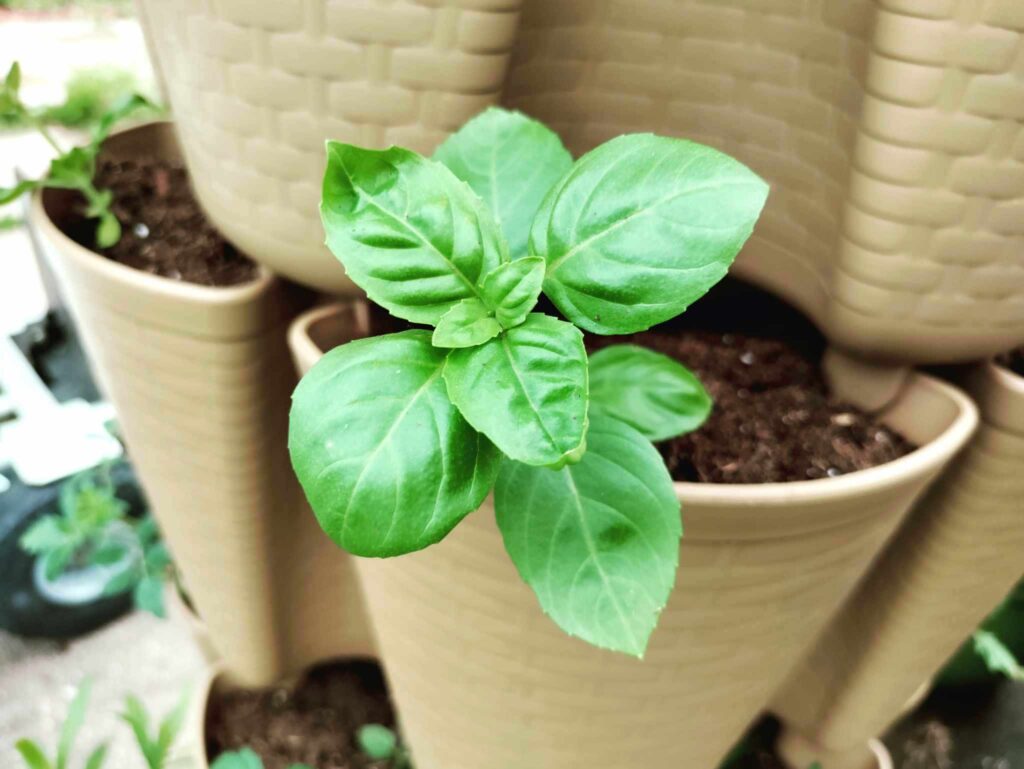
(396, 438)
(92, 548)
(74, 168)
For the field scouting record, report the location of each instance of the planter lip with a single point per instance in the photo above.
(919, 463)
(1005, 377)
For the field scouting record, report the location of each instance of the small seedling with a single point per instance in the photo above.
(997, 657)
(244, 759)
(92, 528)
(34, 757)
(72, 169)
(379, 743)
(395, 439)
(155, 749)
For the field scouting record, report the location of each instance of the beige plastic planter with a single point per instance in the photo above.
(257, 86)
(482, 678)
(201, 380)
(953, 560)
(891, 132)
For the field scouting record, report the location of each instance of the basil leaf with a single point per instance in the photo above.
(240, 759)
(409, 233)
(647, 390)
(512, 289)
(597, 541)
(387, 462)
(467, 324)
(511, 161)
(526, 390)
(640, 228)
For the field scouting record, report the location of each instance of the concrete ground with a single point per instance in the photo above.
(156, 660)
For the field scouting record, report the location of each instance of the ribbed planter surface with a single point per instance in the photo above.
(890, 130)
(201, 380)
(257, 87)
(953, 560)
(482, 678)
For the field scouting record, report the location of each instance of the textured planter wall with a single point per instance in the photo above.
(890, 131)
(201, 380)
(482, 678)
(258, 87)
(954, 559)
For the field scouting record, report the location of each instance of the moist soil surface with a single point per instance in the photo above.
(773, 418)
(314, 722)
(164, 231)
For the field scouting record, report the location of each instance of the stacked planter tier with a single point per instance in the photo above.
(481, 677)
(956, 558)
(201, 379)
(257, 87)
(889, 130)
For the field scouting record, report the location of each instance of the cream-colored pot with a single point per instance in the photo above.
(257, 86)
(955, 558)
(891, 131)
(481, 678)
(201, 380)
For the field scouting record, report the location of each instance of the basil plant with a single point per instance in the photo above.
(395, 439)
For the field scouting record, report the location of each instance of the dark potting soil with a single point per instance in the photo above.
(314, 722)
(773, 418)
(164, 231)
(1013, 360)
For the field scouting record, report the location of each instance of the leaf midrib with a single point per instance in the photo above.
(415, 230)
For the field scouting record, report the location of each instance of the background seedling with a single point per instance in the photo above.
(34, 757)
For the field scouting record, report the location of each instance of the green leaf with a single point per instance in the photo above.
(512, 289)
(410, 234)
(43, 535)
(170, 727)
(655, 394)
(57, 560)
(241, 759)
(597, 541)
(96, 758)
(122, 582)
(9, 194)
(525, 390)
(73, 723)
(108, 231)
(157, 557)
(387, 462)
(997, 657)
(467, 324)
(72, 170)
(511, 161)
(118, 112)
(149, 596)
(109, 554)
(12, 81)
(137, 718)
(377, 741)
(32, 755)
(640, 228)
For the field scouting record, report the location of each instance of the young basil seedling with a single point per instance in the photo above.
(396, 438)
(71, 169)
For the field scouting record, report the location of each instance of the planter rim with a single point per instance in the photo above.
(1005, 377)
(920, 462)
